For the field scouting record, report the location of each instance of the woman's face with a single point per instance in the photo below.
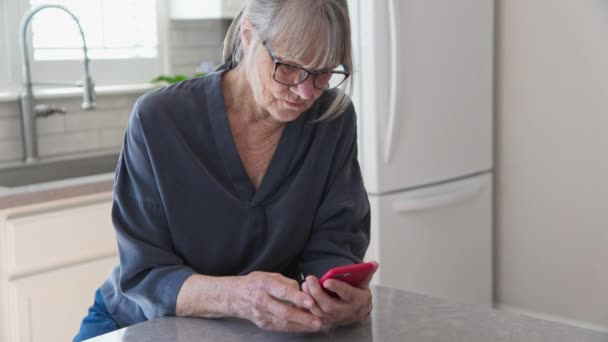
(283, 103)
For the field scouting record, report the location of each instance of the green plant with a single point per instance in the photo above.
(175, 78)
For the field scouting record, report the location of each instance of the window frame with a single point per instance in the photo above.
(108, 72)
(9, 69)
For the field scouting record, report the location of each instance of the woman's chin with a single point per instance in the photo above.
(286, 115)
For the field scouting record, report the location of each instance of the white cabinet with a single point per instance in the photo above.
(208, 9)
(50, 306)
(436, 240)
(54, 256)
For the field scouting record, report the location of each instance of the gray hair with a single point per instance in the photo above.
(297, 25)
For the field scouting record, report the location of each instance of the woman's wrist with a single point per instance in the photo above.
(206, 296)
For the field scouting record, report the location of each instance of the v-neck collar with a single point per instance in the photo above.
(229, 154)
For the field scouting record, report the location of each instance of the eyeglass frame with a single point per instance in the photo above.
(278, 62)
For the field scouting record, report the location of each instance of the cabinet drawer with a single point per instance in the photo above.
(52, 236)
(437, 240)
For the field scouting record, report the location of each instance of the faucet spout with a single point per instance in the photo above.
(28, 117)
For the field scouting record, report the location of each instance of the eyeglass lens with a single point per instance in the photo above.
(291, 75)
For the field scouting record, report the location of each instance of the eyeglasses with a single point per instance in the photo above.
(292, 75)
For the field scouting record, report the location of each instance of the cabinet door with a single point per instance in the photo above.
(51, 305)
(437, 240)
(57, 235)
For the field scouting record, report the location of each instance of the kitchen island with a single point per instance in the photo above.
(397, 316)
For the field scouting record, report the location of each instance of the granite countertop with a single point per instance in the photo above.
(397, 316)
(49, 191)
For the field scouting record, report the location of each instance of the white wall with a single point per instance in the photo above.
(552, 159)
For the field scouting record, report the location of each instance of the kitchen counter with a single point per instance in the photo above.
(40, 193)
(397, 316)
(56, 178)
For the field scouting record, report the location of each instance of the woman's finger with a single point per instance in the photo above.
(285, 314)
(342, 289)
(287, 281)
(325, 302)
(305, 288)
(283, 292)
(315, 310)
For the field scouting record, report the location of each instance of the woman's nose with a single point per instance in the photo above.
(305, 90)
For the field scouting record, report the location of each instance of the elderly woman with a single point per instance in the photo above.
(233, 188)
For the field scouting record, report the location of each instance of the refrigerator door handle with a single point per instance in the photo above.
(451, 194)
(392, 96)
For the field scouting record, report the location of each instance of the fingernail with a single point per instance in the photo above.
(308, 303)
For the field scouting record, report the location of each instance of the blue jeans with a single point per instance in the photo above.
(97, 322)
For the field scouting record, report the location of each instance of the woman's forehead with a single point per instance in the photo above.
(312, 56)
(309, 36)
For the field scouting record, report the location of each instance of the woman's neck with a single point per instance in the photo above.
(241, 107)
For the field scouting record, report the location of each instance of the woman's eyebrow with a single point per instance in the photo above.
(285, 60)
(288, 61)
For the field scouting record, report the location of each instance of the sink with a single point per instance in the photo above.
(56, 169)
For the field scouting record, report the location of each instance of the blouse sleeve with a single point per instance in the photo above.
(341, 229)
(151, 273)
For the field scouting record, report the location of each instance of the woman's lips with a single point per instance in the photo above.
(294, 104)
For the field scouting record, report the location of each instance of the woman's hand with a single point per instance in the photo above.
(274, 302)
(353, 305)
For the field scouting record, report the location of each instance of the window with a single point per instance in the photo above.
(126, 41)
(114, 29)
(6, 79)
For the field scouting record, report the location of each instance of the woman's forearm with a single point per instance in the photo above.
(269, 300)
(205, 296)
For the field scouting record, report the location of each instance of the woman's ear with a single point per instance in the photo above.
(247, 31)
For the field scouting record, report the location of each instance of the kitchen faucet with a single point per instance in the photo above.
(29, 112)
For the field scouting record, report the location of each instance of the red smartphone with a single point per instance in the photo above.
(351, 274)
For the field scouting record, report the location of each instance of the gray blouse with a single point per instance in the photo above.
(183, 203)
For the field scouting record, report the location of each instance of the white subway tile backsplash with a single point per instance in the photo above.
(200, 25)
(193, 56)
(202, 38)
(196, 41)
(177, 39)
(103, 103)
(10, 109)
(186, 56)
(75, 132)
(10, 150)
(122, 102)
(50, 145)
(112, 137)
(186, 69)
(10, 127)
(51, 124)
(93, 120)
(71, 105)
